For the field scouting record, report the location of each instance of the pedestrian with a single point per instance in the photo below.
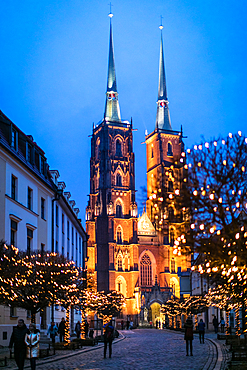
(222, 325)
(32, 339)
(215, 324)
(108, 337)
(86, 328)
(127, 324)
(131, 325)
(78, 329)
(201, 329)
(61, 329)
(18, 339)
(188, 335)
(52, 331)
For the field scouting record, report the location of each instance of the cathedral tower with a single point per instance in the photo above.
(163, 147)
(111, 214)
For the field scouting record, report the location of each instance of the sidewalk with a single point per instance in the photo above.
(60, 355)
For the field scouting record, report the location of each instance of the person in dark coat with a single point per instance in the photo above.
(108, 337)
(86, 328)
(201, 329)
(188, 335)
(18, 339)
(78, 329)
(215, 324)
(61, 329)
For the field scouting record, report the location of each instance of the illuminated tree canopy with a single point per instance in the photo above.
(35, 282)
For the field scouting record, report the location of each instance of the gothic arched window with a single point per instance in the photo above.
(170, 214)
(146, 270)
(119, 236)
(119, 211)
(169, 151)
(120, 263)
(172, 265)
(119, 180)
(170, 186)
(171, 237)
(118, 148)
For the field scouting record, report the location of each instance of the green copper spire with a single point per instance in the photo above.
(163, 116)
(112, 111)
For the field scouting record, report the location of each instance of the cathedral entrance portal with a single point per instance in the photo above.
(155, 313)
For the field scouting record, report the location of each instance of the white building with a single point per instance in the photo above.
(36, 213)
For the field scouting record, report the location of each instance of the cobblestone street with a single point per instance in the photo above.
(142, 349)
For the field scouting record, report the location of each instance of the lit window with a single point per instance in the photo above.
(146, 270)
(119, 236)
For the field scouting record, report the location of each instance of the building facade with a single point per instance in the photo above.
(36, 215)
(134, 255)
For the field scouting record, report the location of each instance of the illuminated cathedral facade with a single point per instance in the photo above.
(125, 253)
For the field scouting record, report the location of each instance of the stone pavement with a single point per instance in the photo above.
(140, 349)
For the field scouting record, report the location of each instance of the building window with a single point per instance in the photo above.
(12, 311)
(68, 240)
(57, 220)
(171, 214)
(13, 232)
(173, 265)
(42, 165)
(43, 208)
(152, 151)
(146, 270)
(62, 223)
(72, 236)
(14, 139)
(29, 198)
(120, 263)
(80, 255)
(118, 210)
(119, 180)
(119, 236)
(29, 241)
(170, 186)
(169, 151)
(28, 153)
(14, 187)
(118, 148)
(172, 237)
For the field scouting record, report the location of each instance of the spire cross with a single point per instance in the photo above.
(161, 25)
(110, 14)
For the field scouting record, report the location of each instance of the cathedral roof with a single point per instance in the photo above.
(145, 226)
(163, 120)
(112, 110)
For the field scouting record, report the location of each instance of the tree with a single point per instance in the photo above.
(35, 282)
(215, 202)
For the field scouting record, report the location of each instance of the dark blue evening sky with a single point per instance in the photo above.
(53, 71)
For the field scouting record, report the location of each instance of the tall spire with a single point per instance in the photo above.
(163, 115)
(112, 110)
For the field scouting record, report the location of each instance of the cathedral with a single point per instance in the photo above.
(125, 253)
